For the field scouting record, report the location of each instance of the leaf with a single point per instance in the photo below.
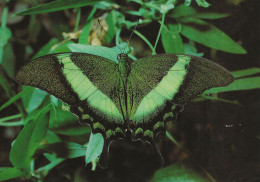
(203, 3)
(8, 59)
(210, 15)
(112, 28)
(191, 49)
(5, 34)
(182, 10)
(94, 148)
(33, 99)
(74, 130)
(245, 72)
(56, 6)
(16, 97)
(209, 35)
(171, 40)
(61, 117)
(239, 84)
(64, 149)
(178, 173)
(7, 173)
(29, 140)
(95, 50)
(83, 38)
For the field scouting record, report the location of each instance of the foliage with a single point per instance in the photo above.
(182, 28)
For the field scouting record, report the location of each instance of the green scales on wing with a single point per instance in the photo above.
(115, 98)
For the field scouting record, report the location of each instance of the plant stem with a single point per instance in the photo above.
(159, 34)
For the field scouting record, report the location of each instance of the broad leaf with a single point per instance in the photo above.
(95, 147)
(209, 35)
(178, 173)
(171, 40)
(29, 140)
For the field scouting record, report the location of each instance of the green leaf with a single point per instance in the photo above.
(209, 35)
(203, 3)
(16, 97)
(112, 28)
(33, 99)
(95, 50)
(182, 10)
(62, 118)
(239, 84)
(29, 140)
(7, 173)
(5, 34)
(57, 6)
(64, 149)
(95, 147)
(178, 173)
(245, 72)
(83, 38)
(171, 40)
(191, 49)
(210, 15)
(74, 130)
(8, 59)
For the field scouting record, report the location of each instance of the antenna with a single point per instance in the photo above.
(139, 20)
(102, 28)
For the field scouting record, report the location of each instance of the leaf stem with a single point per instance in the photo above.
(144, 39)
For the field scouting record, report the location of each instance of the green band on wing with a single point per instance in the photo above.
(110, 133)
(98, 126)
(86, 90)
(148, 133)
(158, 125)
(139, 130)
(165, 90)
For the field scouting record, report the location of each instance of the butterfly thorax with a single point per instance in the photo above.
(123, 66)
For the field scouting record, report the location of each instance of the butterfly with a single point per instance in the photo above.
(137, 97)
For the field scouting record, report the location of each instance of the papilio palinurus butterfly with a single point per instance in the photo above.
(137, 97)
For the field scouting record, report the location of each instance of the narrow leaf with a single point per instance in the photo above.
(94, 148)
(64, 149)
(57, 6)
(83, 38)
(209, 35)
(210, 15)
(245, 72)
(16, 97)
(239, 84)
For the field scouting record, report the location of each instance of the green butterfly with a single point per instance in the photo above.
(115, 99)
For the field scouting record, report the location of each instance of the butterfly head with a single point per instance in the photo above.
(122, 57)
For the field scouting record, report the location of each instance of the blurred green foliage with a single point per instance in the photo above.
(44, 117)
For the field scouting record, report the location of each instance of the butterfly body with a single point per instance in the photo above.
(138, 97)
